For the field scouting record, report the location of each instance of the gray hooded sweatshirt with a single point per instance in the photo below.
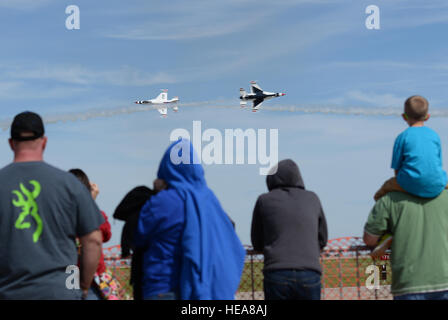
(288, 223)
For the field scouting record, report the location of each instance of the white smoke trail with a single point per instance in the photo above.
(85, 115)
(315, 109)
(350, 111)
(103, 113)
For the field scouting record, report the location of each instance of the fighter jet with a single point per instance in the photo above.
(162, 102)
(257, 95)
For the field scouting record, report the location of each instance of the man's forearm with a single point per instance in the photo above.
(91, 246)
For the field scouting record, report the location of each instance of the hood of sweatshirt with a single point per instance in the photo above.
(287, 176)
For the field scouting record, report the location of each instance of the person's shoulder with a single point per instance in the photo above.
(389, 198)
(63, 177)
(266, 195)
(405, 135)
(6, 169)
(408, 200)
(263, 198)
(413, 134)
(166, 198)
(272, 195)
(167, 194)
(65, 181)
(312, 199)
(53, 171)
(424, 131)
(43, 168)
(312, 194)
(303, 194)
(432, 133)
(165, 203)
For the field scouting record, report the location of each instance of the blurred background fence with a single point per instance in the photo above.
(345, 273)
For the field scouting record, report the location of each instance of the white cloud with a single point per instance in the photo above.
(79, 75)
(187, 29)
(13, 90)
(197, 19)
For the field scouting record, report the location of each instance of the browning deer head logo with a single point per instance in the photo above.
(29, 207)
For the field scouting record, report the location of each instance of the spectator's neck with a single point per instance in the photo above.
(416, 124)
(28, 156)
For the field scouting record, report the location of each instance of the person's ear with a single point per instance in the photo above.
(427, 117)
(44, 143)
(404, 116)
(11, 144)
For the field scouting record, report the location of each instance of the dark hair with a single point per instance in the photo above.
(416, 108)
(81, 175)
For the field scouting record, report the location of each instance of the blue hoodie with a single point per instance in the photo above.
(192, 246)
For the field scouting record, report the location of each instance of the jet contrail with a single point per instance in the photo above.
(352, 111)
(316, 109)
(85, 115)
(95, 113)
(337, 110)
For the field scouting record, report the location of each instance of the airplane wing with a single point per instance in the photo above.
(257, 104)
(255, 88)
(163, 111)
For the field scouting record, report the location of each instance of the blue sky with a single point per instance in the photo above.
(319, 52)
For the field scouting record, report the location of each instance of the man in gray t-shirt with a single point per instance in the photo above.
(42, 212)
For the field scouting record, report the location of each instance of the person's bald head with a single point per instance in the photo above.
(36, 145)
(30, 150)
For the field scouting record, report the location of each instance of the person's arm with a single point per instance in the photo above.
(105, 228)
(94, 190)
(91, 246)
(397, 154)
(127, 234)
(369, 239)
(323, 230)
(257, 228)
(377, 223)
(148, 219)
(88, 222)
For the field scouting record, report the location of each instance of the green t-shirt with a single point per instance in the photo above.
(419, 257)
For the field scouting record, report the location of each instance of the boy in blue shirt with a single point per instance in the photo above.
(417, 156)
(417, 161)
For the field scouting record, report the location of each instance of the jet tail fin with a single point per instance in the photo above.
(163, 96)
(255, 88)
(243, 92)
